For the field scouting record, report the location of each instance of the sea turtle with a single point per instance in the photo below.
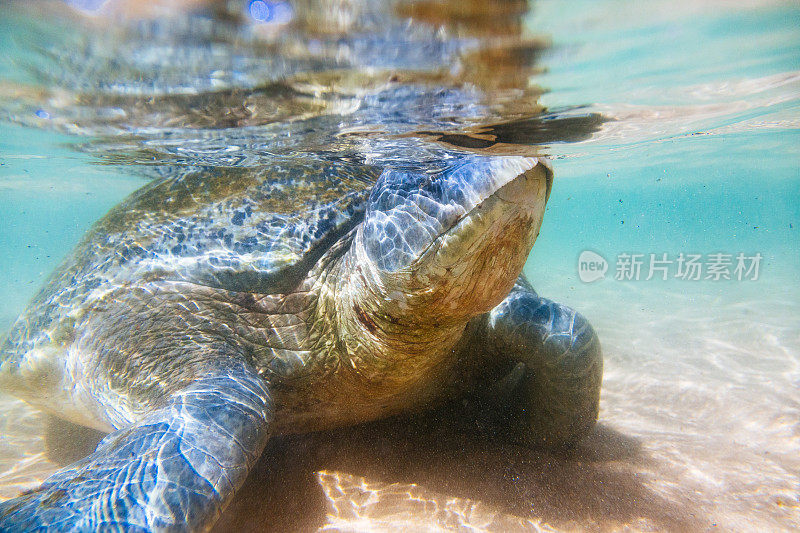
(212, 310)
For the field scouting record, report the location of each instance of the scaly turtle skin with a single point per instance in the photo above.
(210, 311)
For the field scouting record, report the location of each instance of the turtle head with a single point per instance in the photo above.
(441, 248)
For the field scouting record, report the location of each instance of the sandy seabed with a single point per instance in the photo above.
(699, 430)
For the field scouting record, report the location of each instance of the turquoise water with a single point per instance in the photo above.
(49, 196)
(700, 154)
(707, 157)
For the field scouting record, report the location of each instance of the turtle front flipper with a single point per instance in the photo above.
(175, 469)
(554, 367)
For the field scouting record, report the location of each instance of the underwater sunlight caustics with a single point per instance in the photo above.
(269, 265)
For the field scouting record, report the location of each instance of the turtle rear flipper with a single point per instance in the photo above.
(175, 469)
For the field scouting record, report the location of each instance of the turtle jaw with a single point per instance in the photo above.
(471, 267)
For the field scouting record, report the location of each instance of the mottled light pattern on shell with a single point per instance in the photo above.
(241, 230)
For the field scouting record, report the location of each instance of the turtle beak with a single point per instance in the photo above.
(524, 189)
(514, 201)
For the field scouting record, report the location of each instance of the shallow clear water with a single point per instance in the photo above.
(698, 153)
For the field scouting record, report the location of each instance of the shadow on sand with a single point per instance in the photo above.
(596, 485)
(419, 465)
